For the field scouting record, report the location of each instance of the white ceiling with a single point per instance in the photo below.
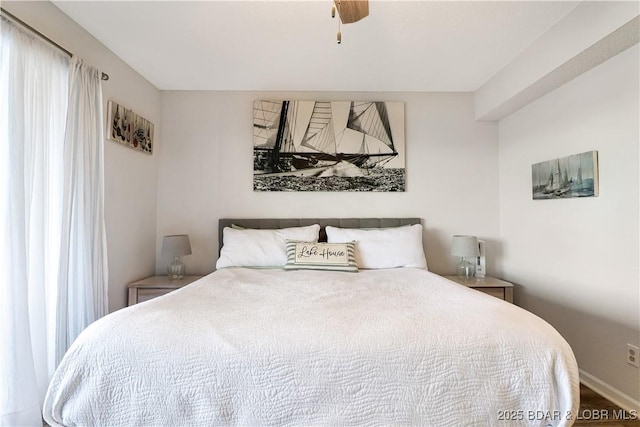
(291, 45)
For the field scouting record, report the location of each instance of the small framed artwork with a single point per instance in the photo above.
(566, 177)
(127, 128)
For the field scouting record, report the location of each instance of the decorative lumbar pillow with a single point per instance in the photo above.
(261, 248)
(384, 247)
(321, 256)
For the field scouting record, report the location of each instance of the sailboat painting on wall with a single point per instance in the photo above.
(328, 146)
(571, 176)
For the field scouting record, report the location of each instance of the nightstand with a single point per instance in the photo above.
(489, 285)
(154, 286)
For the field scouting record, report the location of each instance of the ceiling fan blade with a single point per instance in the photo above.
(352, 10)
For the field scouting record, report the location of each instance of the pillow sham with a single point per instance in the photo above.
(321, 256)
(261, 248)
(384, 247)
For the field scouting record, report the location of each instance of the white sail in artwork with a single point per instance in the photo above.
(298, 122)
(558, 183)
(549, 187)
(319, 134)
(340, 112)
(371, 118)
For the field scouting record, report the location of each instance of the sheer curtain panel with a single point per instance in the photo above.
(35, 189)
(33, 105)
(82, 296)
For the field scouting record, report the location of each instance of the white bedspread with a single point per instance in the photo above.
(273, 347)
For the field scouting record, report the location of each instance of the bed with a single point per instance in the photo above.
(300, 346)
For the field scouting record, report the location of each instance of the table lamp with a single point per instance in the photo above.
(465, 247)
(175, 246)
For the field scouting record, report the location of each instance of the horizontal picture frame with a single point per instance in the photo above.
(356, 146)
(128, 128)
(566, 177)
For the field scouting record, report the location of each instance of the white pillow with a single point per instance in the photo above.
(383, 247)
(261, 248)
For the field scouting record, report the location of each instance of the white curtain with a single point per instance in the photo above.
(36, 184)
(82, 296)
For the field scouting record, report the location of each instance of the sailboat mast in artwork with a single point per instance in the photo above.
(320, 139)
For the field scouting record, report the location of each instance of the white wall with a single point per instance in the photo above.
(130, 176)
(576, 261)
(206, 172)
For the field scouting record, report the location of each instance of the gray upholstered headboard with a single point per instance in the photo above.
(271, 223)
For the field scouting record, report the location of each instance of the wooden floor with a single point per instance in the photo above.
(596, 411)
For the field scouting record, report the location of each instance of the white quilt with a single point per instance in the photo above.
(274, 347)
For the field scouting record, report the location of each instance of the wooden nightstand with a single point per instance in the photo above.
(154, 286)
(489, 285)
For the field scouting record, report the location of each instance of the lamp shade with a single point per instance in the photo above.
(465, 246)
(176, 245)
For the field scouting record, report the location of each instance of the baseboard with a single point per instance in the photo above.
(605, 390)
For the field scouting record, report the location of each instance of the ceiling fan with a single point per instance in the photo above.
(350, 11)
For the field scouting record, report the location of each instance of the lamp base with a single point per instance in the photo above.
(466, 269)
(175, 270)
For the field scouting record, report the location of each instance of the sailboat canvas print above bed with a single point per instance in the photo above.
(328, 146)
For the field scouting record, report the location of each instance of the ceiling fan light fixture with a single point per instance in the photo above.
(349, 11)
